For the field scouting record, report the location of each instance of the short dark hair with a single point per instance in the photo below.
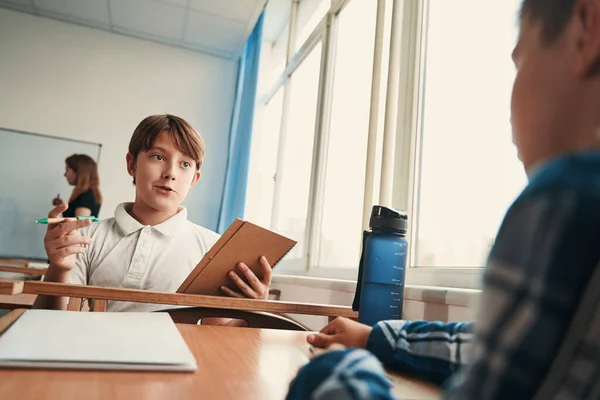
(552, 14)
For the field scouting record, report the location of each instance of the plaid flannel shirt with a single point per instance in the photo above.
(538, 331)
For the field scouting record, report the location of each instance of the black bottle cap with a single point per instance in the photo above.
(388, 219)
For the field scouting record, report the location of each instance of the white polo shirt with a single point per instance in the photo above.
(127, 254)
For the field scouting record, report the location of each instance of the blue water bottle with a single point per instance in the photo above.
(382, 270)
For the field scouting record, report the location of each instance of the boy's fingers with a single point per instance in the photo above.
(243, 286)
(59, 209)
(267, 270)
(230, 292)
(320, 340)
(253, 280)
(67, 251)
(68, 240)
(65, 227)
(330, 328)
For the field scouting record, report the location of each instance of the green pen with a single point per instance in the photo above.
(59, 220)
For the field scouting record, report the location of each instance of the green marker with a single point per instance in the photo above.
(59, 220)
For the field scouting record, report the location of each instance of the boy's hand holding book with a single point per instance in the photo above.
(251, 287)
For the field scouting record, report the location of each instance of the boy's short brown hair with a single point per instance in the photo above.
(553, 14)
(186, 138)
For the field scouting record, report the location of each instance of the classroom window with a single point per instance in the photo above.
(273, 63)
(318, 179)
(341, 227)
(292, 189)
(461, 170)
(262, 169)
(310, 14)
(469, 172)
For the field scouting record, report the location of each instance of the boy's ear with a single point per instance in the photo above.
(130, 164)
(587, 20)
(196, 178)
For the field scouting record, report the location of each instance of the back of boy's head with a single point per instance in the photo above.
(186, 138)
(552, 14)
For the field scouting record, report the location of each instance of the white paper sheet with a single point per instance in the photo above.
(95, 340)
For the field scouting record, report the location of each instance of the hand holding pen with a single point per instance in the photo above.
(63, 241)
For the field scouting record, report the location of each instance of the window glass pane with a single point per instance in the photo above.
(293, 178)
(276, 27)
(341, 229)
(469, 172)
(263, 160)
(274, 59)
(310, 13)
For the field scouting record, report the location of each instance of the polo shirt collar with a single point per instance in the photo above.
(129, 225)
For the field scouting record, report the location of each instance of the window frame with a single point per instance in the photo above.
(325, 33)
(411, 20)
(409, 150)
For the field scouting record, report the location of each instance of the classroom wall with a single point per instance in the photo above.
(71, 81)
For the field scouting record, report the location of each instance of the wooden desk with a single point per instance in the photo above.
(248, 310)
(22, 270)
(21, 300)
(233, 363)
(21, 267)
(175, 299)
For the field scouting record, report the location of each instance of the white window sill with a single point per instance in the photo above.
(428, 294)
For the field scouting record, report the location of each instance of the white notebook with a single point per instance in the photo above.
(95, 340)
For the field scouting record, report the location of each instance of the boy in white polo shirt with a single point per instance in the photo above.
(149, 244)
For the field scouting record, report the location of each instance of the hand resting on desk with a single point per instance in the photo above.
(343, 331)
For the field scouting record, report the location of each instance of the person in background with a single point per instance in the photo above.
(81, 171)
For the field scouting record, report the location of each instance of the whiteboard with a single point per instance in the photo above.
(32, 168)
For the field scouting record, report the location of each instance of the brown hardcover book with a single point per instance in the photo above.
(241, 242)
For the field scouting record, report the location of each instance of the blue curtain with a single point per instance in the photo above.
(240, 132)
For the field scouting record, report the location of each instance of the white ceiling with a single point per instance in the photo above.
(218, 27)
